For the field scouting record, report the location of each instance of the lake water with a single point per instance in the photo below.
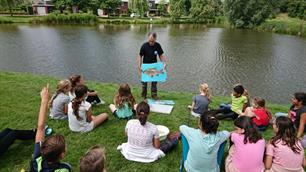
(269, 65)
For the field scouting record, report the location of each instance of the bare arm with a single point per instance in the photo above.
(244, 107)
(92, 93)
(156, 143)
(115, 100)
(302, 125)
(268, 162)
(139, 63)
(289, 114)
(192, 106)
(40, 134)
(163, 59)
(89, 115)
(66, 109)
(304, 162)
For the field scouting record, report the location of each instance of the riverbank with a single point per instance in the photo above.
(112, 20)
(19, 102)
(284, 25)
(281, 24)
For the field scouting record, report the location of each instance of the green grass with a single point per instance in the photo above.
(17, 19)
(285, 25)
(19, 104)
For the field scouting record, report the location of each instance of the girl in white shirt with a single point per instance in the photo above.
(80, 114)
(143, 143)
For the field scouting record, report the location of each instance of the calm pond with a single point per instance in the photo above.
(269, 65)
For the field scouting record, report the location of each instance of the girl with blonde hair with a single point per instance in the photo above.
(201, 101)
(60, 100)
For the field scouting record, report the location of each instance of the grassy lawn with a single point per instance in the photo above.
(284, 24)
(17, 19)
(19, 105)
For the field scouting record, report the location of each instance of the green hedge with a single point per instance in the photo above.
(5, 20)
(67, 19)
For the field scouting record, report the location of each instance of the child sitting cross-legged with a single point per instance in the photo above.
(201, 101)
(80, 116)
(258, 112)
(60, 100)
(124, 102)
(143, 143)
(239, 103)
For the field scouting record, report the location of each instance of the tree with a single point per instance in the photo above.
(176, 8)
(248, 13)
(139, 6)
(187, 6)
(297, 8)
(203, 10)
(110, 5)
(283, 6)
(162, 7)
(10, 4)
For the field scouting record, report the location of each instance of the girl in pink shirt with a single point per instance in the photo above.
(284, 152)
(247, 151)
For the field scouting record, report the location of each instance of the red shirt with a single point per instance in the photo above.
(262, 117)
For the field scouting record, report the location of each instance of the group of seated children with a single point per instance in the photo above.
(284, 151)
(143, 138)
(73, 100)
(238, 107)
(248, 147)
(49, 152)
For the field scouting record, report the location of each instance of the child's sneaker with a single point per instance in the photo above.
(48, 131)
(100, 103)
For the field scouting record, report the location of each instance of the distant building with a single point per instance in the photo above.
(42, 7)
(153, 4)
(124, 7)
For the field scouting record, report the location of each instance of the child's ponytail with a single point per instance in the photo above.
(142, 111)
(205, 89)
(75, 106)
(142, 118)
(80, 92)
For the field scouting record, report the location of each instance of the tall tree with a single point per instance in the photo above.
(203, 10)
(110, 5)
(10, 4)
(139, 6)
(187, 6)
(176, 9)
(248, 13)
(162, 7)
(297, 8)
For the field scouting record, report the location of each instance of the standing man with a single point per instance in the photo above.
(148, 54)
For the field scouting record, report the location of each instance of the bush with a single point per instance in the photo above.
(67, 19)
(4, 20)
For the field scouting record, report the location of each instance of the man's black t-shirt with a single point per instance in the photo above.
(149, 53)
